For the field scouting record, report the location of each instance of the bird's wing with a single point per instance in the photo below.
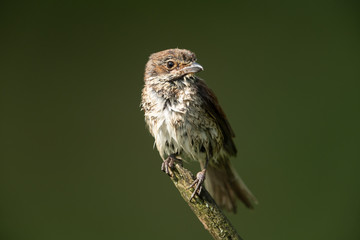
(212, 107)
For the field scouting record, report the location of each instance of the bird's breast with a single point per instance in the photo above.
(179, 124)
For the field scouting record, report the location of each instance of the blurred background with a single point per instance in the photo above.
(78, 163)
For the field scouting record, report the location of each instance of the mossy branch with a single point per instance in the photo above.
(204, 207)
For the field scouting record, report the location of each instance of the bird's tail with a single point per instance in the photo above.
(226, 186)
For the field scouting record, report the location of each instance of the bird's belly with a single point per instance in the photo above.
(170, 136)
(180, 132)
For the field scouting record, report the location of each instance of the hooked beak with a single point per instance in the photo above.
(193, 68)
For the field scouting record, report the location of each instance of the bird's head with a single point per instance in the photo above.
(171, 64)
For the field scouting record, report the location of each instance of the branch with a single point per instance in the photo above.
(204, 207)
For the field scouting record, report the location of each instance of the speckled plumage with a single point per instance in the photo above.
(174, 115)
(184, 117)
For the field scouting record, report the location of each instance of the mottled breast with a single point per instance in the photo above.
(179, 123)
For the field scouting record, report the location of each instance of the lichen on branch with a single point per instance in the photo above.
(204, 207)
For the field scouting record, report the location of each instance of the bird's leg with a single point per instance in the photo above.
(169, 164)
(199, 181)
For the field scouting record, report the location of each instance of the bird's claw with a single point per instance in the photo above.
(169, 164)
(199, 181)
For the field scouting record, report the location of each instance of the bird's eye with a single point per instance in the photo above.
(170, 64)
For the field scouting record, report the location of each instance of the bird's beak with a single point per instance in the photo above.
(193, 68)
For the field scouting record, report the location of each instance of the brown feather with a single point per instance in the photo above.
(226, 186)
(214, 109)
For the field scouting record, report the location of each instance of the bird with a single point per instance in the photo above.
(184, 116)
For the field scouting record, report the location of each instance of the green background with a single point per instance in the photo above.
(77, 161)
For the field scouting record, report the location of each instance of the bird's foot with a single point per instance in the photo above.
(198, 183)
(169, 164)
